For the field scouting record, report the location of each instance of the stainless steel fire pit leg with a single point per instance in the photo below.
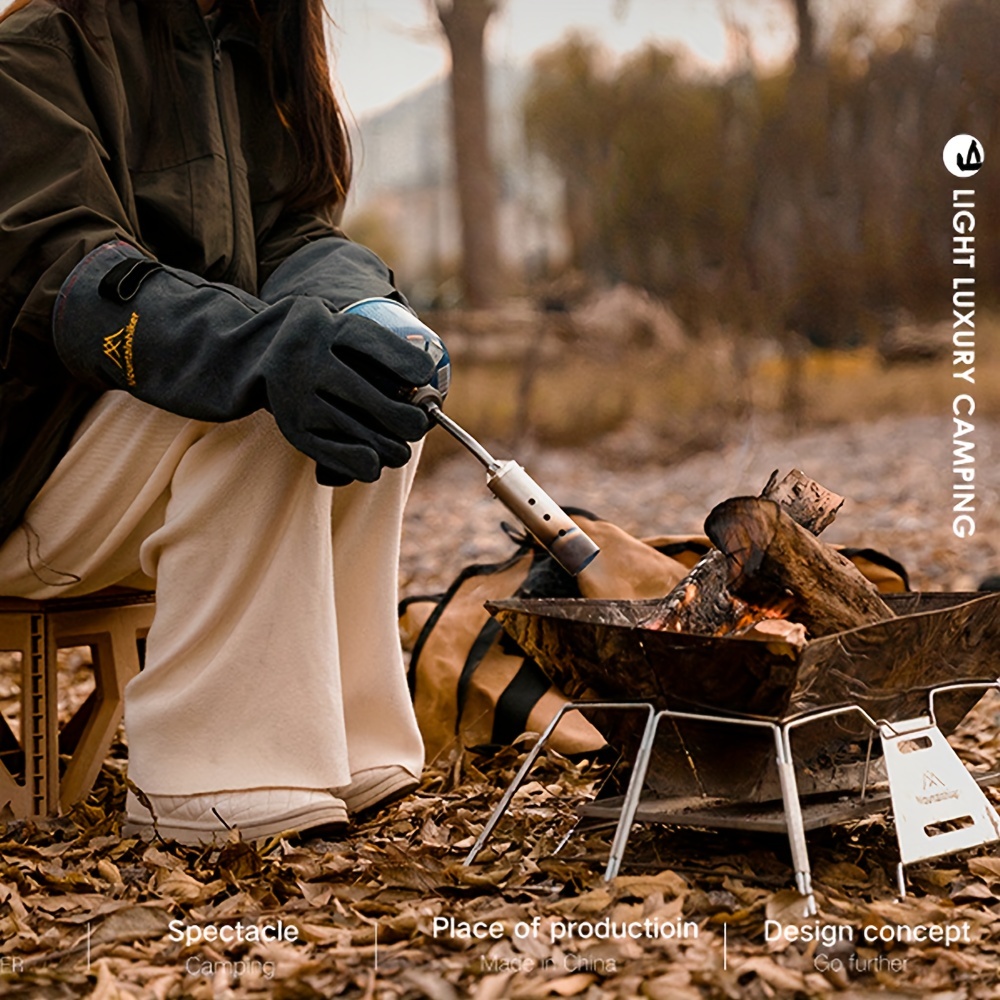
(535, 752)
(632, 794)
(901, 880)
(868, 767)
(793, 817)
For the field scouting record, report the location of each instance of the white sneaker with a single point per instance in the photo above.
(376, 786)
(258, 813)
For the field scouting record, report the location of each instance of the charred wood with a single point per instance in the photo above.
(703, 602)
(772, 559)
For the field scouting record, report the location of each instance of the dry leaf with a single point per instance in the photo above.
(842, 873)
(674, 985)
(109, 872)
(431, 986)
(569, 986)
(238, 860)
(136, 924)
(399, 869)
(488, 878)
(156, 858)
(772, 973)
(787, 907)
(985, 867)
(669, 883)
(941, 878)
(181, 886)
(595, 901)
(974, 892)
(493, 987)
(315, 893)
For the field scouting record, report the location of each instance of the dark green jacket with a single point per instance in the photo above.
(88, 153)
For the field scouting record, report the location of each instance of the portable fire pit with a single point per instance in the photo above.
(716, 749)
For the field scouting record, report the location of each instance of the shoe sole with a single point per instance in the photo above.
(389, 789)
(296, 822)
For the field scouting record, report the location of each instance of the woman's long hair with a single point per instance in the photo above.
(293, 47)
(293, 44)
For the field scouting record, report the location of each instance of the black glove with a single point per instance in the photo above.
(209, 351)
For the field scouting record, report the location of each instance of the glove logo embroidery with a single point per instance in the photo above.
(113, 348)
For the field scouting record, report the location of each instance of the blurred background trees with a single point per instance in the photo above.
(713, 246)
(810, 198)
(463, 23)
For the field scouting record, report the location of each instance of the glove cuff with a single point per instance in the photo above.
(93, 328)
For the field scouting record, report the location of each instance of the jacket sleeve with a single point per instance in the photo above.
(335, 270)
(328, 264)
(57, 200)
(290, 231)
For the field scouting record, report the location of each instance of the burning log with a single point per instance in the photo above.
(768, 555)
(703, 602)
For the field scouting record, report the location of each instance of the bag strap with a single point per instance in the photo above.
(476, 569)
(510, 717)
(544, 577)
(477, 651)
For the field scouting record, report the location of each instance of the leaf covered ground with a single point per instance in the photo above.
(391, 911)
(85, 913)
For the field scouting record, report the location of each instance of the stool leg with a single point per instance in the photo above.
(30, 785)
(112, 638)
(39, 722)
(86, 757)
(116, 661)
(17, 630)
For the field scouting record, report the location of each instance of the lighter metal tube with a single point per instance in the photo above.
(458, 432)
(555, 530)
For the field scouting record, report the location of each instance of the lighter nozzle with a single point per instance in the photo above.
(427, 397)
(554, 529)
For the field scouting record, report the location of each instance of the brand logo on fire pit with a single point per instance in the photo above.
(931, 780)
(963, 155)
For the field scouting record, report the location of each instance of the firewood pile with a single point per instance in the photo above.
(769, 567)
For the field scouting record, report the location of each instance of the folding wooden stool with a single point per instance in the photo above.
(48, 768)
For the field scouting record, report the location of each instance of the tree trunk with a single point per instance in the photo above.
(464, 23)
(805, 27)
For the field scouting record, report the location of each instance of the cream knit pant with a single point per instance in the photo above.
(274, 656)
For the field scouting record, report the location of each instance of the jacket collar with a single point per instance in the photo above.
(187, 21)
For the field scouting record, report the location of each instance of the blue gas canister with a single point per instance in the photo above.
(402, 321)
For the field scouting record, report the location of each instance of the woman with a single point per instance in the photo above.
(180, 391)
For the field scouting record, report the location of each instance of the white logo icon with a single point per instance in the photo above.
(963, 155)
